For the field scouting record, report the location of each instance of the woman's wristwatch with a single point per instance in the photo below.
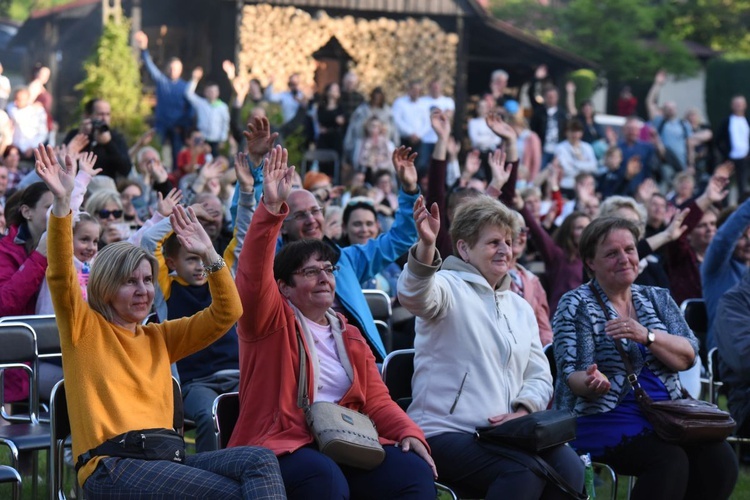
(212, 268)
(650, 337)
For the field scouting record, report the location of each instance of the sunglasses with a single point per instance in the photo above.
(104, 214)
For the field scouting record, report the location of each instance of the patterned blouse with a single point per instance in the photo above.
(579, 341)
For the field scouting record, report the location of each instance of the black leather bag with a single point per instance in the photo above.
(534, 432)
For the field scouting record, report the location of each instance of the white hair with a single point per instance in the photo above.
(499, 73)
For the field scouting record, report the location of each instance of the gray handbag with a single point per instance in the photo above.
(346, 436)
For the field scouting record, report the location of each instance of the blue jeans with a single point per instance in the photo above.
(198, 399)
(308, 473)
(476, 472)
(242, 472)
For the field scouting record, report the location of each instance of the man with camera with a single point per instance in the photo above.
(107, 144)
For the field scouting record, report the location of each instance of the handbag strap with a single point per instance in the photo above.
(538, 466)
(303, 399)
(630, 371)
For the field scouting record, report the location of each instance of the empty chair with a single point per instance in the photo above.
(225, 411)
(380, 306)
(398, 368)
(324, 157)
(25, 433)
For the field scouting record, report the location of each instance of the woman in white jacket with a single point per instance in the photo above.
(479, 360)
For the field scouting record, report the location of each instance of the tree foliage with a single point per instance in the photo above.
(112, 73)
(719, 24)
(626, 39)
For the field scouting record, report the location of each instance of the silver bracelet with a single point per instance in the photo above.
(212, 268)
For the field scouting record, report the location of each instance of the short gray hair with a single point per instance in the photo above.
(499, 73)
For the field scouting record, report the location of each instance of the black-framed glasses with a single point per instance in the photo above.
(304, 214)
(313, 272)
(104, 214)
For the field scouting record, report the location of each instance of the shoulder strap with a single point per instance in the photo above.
(632, 377)
(303, 400)
(538, 466)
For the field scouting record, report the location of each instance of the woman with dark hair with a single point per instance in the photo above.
(592, 131)
(562, 264)
(12, 160)
(331, 119)
(117, 370)
(288, 314)
(593, 379)
(23, 262)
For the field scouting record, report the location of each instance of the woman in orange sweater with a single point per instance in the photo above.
(117, 371)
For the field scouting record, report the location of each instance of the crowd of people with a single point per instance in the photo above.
(541, 229)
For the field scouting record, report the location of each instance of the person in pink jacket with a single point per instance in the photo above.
(23, 262)
(294, 293)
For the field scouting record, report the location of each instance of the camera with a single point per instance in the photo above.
(97, 127)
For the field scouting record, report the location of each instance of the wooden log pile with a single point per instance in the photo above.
(278, 41)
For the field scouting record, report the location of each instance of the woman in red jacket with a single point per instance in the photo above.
(294, 293)
(23, 262)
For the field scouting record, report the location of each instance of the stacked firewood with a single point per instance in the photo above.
(278, 41)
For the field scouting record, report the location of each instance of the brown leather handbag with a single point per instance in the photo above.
(679, 421)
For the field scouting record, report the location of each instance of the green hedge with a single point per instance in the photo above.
(585, 81)
(725, 77)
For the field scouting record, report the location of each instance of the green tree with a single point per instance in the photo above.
(626, 39)
(112, 73)
(719, 24)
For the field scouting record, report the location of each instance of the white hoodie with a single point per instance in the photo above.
(478, 353)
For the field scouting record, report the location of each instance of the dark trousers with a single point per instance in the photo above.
(242, 472)
(173, 135)
(198, 399)
(476, 472)
(668, 471)
(309, 474)
(742, 175)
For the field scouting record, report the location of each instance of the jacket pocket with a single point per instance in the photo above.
(458, 393)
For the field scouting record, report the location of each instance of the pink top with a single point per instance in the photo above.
(333, 381)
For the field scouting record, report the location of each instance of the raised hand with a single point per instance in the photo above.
(541, 72)
(406, 171)
(60, 180)
(86, 162)
(190, 232)
(500, 127)
(472, 163)
(157, 171)
(229, 68)
(440, 124)
(646, 189)
(500, 171)
(141, 40)
(77, 144)
(197, 74)
(259, 138)
(277, 179)
(212, 170)
(165, 206)
(716, 189)
(427, 221)
(633, 167)
(675, 228)
(244, 175)
(570, 87)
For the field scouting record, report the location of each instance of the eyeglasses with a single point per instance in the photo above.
(523, 230)
(304, 215)
(313, 272)
(104, 214)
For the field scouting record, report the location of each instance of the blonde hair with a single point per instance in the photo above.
(612, 204)
(98, 200)
(113, 265)
(475, 214)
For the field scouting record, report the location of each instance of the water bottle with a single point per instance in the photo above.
(588, 475)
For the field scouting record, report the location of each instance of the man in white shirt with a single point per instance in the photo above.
(289, 100)
(212, 113)
(733, 142)
(433, 100)
(411, 117)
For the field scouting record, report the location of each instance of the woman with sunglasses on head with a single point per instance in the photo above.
(288, 302)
